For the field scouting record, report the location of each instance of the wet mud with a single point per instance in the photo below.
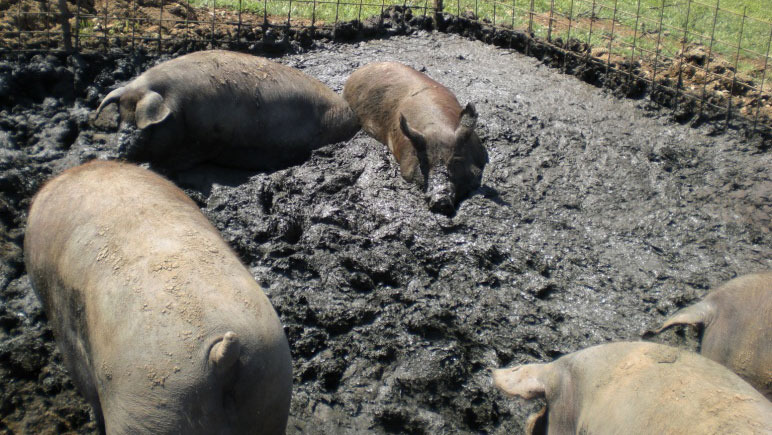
(597, 217)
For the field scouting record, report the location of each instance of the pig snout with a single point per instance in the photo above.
(440, 193)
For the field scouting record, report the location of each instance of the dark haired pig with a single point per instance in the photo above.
(423, 125)
(232, 108)
(637, 388)
(737, 322)
(162, 328)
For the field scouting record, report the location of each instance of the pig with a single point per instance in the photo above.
(736, 320)
(232, 109)
(430, 135)
(637, 388)
(161, 327)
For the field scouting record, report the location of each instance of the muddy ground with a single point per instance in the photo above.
(597, 218)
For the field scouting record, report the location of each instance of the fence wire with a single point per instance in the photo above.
(695, 51)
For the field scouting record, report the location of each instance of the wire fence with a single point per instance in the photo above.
(689, 52)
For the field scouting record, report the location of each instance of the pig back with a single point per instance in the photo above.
(237, 106)
(379, 92)
(652, 388)
(739, 332)
(138, 286)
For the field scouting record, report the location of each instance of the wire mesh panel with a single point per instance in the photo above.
(692, 53)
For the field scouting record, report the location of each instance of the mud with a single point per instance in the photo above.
(597, 218)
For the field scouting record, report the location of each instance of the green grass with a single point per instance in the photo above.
(320, 11)
(635, 21)
(639, 23)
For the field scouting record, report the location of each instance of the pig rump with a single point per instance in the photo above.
(161, 327)
(637, 388)
(736, 323)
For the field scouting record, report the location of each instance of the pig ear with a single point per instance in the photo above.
(225, 353)
(468, 121)
(523, 381)
(415, 137)
(112, 97)
(700, 313)
(537, 423)
(466, 124)
(151, 110)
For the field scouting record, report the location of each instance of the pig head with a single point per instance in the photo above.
(161, 327)
(736, 322)
(636, 388)
(430, 135)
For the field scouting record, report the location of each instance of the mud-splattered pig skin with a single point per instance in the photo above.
(162, 328)
(637, 388)
(233, 109)
(430, 135)
(736, 322)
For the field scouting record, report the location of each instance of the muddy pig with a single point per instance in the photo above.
(637, 388)
(737, 327)
(420, 120)
(162, 328)
(231, 108)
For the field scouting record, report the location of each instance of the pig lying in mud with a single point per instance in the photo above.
(737, 327)
(231, 108)
(420, 120)
(162, 328)
(637, 388)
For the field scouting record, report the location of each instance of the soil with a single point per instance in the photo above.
(597, 218)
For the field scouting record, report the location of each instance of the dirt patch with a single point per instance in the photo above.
(597, 218)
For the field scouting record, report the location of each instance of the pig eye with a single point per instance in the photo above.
(457, 160)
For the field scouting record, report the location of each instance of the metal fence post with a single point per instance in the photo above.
(65, 23)
(707, 62)
(160, 27)
(313, 19)
(18, 20)
(611, 38)
(635, 41)
(104, 27)
(549, 25)
(380, 18)
(763, 76)
(567, 45)
(513, 13)
(289, 15)
(47, 20)
(265, 18)
(77, 25)
(734, 74)
(589, 36)
(679, 85)
(214, 18)
(134, 23)
(656, 51)
(238, 28)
